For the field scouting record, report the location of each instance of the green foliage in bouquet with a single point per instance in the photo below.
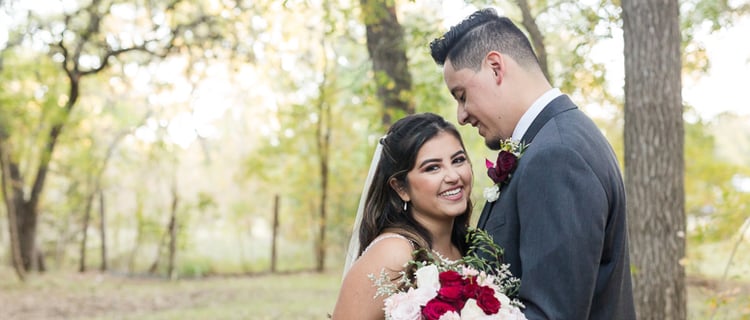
(483, 255)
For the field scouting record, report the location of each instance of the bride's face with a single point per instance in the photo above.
(439, 185)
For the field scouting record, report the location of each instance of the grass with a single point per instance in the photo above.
(100, 296)
(67, 294)
(94, 296)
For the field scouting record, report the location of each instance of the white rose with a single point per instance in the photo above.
(504, 300)
(510, 313)
(517, 314)
(401, 307)
(507, 310)
(450, 315)
(428, 278)
(472, 311)
(492, 193)
(421, 296)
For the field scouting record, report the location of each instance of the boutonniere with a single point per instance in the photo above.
(501, 171)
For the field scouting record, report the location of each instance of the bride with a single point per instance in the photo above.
(418, 198)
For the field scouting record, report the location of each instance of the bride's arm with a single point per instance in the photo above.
(356, 297)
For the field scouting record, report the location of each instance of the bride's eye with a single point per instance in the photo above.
(431, 168)
(459, 160)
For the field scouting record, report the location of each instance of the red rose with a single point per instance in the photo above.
(471, 290)
(487, 302)
(504, 165)
(435, 308)
(451, 294)
(450, 278)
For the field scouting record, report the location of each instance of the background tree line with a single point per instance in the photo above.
(154, 136)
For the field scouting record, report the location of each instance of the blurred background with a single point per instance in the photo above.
(149, 143)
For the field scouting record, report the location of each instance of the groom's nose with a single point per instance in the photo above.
(461, 115)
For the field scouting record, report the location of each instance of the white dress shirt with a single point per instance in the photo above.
(528, 117)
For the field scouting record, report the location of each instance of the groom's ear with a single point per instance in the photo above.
(399, 187)
(495, 61)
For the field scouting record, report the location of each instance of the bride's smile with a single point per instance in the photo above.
(453, 194)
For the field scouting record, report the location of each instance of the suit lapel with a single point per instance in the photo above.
(556, 106)
(485, 214)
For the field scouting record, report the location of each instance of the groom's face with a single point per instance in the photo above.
(478, 101)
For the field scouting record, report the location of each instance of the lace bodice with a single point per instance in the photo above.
(413, 246)
(387, 236)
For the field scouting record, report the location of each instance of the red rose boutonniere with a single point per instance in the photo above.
(501, 171)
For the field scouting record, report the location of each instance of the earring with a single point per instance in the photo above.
(405, 205)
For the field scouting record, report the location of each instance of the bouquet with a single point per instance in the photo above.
(433, 288)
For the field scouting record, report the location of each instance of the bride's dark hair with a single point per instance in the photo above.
(383, 207)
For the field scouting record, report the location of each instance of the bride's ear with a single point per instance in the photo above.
(399, 187)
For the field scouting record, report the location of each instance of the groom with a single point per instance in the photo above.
(561, 217)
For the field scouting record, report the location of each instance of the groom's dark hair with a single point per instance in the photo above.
(467, 43)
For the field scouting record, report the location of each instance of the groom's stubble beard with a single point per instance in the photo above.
(492, 142)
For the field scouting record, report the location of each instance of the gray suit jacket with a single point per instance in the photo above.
(561, 221)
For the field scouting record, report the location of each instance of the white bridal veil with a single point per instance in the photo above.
(353, 251)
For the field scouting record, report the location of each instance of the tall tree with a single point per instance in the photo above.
(537, 38)
(654, 156)
(323, 140)
(95, 178)
(385, 43)
(15, 250)
(329, 80)
(85, 42)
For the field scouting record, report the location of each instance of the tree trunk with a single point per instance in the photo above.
(85, 232)
(157, 260)
(172, 230)
(10, 205)
(140, 225)
(385, 44)
(102, 231)
(27, 224)
(27, 212)
(654, 160)
(40, 264)
(324, 139)
(274, 233)
(536, 36)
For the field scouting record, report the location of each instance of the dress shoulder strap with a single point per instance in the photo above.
(388, 236)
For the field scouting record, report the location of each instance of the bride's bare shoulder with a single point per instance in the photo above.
(388, 250)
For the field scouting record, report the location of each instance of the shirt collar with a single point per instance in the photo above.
(528, 117)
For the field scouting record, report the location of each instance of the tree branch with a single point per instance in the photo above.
(537, 38)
